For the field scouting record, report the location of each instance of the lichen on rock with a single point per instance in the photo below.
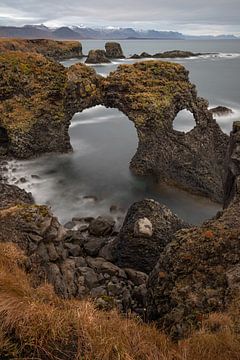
(39, 97)
(198, 271)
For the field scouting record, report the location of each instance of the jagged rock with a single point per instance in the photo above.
(11, 195)
(176, 54)
(143, 228)
(109, 251)
(173, 156)
(97, 57)
(221, 111)
(137, 277)
(94, 245)
(101, 226)
(145, 55)
(135, 56)
(232, 174)
(114, 50)
(141, 252)
(198, 271)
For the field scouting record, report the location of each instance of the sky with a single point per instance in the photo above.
(187, 16)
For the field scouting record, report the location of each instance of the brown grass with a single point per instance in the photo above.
(36, 324)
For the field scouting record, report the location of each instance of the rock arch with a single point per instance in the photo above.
(150, 93)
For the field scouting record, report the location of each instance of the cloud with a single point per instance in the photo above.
(184, 15)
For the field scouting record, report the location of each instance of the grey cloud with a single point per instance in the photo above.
(161, 14)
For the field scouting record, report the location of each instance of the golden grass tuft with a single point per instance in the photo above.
(37, 324)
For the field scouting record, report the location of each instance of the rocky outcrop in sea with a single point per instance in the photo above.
(157, 266)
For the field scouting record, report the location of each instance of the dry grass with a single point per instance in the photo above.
(36, 324)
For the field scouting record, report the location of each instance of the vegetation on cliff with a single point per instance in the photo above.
(35, 323)
(53, 49)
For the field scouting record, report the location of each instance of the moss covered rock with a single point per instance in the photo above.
(53, 49)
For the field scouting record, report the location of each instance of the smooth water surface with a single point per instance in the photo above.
(96, 175)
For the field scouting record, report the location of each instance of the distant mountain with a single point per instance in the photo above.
(81, 32)
(65, 33)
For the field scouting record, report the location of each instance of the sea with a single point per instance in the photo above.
(95, 178)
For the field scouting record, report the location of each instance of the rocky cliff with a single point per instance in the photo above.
(198, 271)
(53, 49)
(39, 97)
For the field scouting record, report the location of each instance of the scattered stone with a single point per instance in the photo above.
(101, 226)
(94, 245)
(90, 197)
(70, 225)
(37, 177)
(73, 249)
(23, 180)
(137, 277)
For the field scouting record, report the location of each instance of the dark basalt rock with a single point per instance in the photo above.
(74, 264)
(176, 54)
(97, 57)
(11, 195)
(135, 56)
(198, 271)
(114, 50)
(150, 93)
(232, 178)
(221, 111)
(138, 250)
(167, 55)
(101, 226)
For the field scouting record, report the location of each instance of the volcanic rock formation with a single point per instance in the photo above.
(58, 50)
(97, 57)
(198, 271)
(39, 97)
(114, 50)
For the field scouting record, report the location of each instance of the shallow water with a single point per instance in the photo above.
(104, 141)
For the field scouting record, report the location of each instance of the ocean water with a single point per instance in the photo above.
(96, 175)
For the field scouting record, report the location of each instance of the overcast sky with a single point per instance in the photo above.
(187, 16)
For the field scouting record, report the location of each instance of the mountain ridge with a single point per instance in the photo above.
(81, 32)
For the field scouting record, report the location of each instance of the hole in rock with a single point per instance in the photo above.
(95, 178)
(184, 121)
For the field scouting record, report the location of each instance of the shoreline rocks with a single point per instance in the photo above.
(97, 57)
(221, 111)
(146, 230)
(53, 49)
(114, 50)
(173, 54)
(33, 127)
(198, 271)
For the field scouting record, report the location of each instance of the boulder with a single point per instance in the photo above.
(101, 226)
(143, 228)
(97, 57)
(147, 229)
(114, 50)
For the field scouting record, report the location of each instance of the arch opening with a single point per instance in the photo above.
(184, 121)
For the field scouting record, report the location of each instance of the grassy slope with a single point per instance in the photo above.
(36, 324)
